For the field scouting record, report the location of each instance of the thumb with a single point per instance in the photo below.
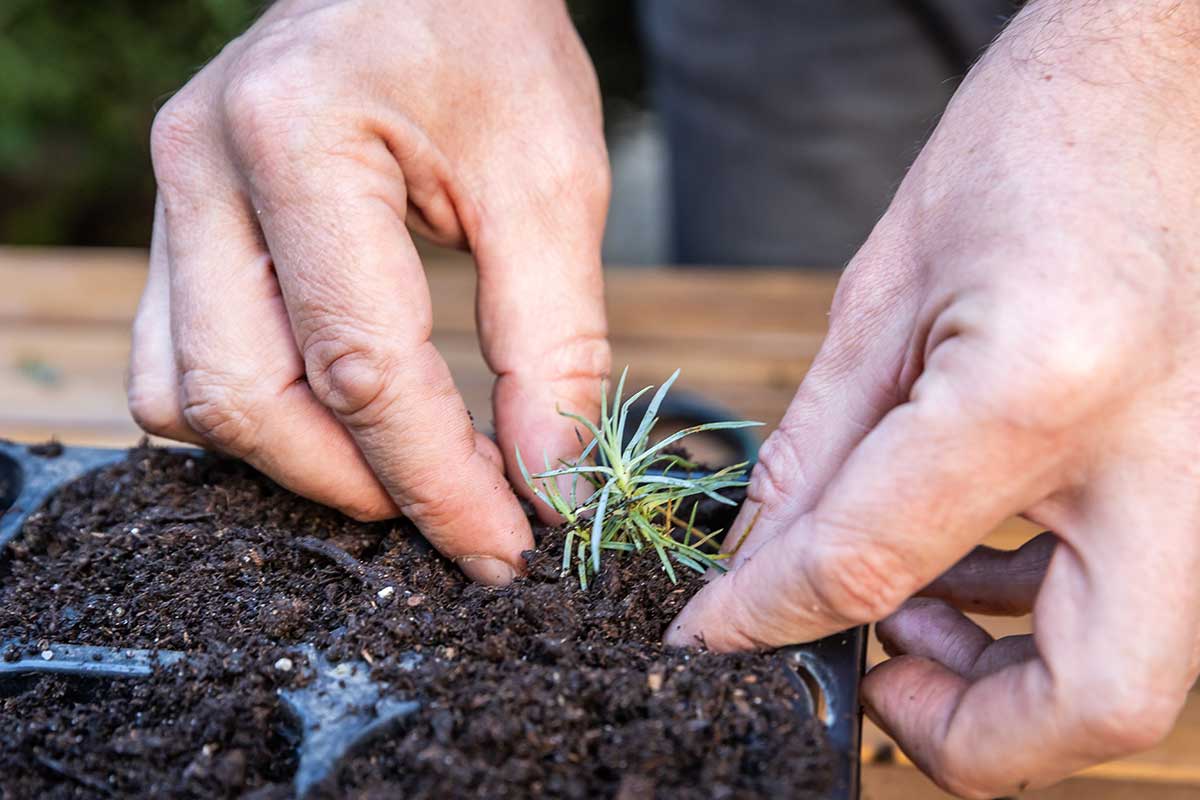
(902, 508)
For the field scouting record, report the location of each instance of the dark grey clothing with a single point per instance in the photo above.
(791, 122)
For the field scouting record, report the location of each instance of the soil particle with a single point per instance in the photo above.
(538, 689)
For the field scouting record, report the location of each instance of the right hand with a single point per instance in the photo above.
(1019, 335)
(286, 319)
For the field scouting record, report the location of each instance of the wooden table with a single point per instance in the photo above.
(743, 338)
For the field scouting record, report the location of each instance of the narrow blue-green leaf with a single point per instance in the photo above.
(688, 562)
(610, 452)
(586, 505)
(584, 421)
(612, 419)
(587, 451)
(650, 416)
(625, 407)
(521, 464)
(529, 480)
(604, 405)
(669, 461)
(582, 559)
(598, 526)
(564, 510)
(675, 437)
(692, 486)
(554, 473)
(566, 565)
(551, 496)
(705, 539)
(666, 562)
(718, 565)
(652, 535)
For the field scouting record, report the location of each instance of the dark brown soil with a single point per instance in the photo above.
(540, 689)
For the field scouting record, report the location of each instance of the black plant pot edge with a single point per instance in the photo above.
(828, 670)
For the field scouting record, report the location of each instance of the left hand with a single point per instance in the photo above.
(287, 319)
(1019, 335)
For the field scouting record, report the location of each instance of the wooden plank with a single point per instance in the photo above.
(71, 285)
(744, 341)
(758, 307)
(53, 373)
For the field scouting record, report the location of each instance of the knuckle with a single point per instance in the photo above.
(586, 357)
(152, 409)
(779, 471)
(218, 411)
(348, 375)
(1058, 373)
(859, 584)
(175, 139)
(263, 98)
(1074, 358)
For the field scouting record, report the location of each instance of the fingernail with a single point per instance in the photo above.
(486, 570)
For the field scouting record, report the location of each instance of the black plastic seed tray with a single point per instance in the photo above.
(341, 706)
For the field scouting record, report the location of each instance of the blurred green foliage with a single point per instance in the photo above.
(80, 81)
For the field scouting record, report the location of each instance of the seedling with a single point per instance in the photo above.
(636, 490)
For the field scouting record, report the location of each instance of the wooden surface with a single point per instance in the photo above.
(742, 338)
(64, 319)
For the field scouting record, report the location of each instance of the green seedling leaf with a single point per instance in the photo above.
(708, 426)
(650, 417)
(631, 509)
(598, 525)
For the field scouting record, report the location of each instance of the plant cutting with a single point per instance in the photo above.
(637, 488)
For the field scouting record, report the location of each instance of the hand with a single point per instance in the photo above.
(1020, 334)
(286, 319)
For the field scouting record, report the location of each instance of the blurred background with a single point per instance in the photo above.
(80, 82)
(767, 132)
